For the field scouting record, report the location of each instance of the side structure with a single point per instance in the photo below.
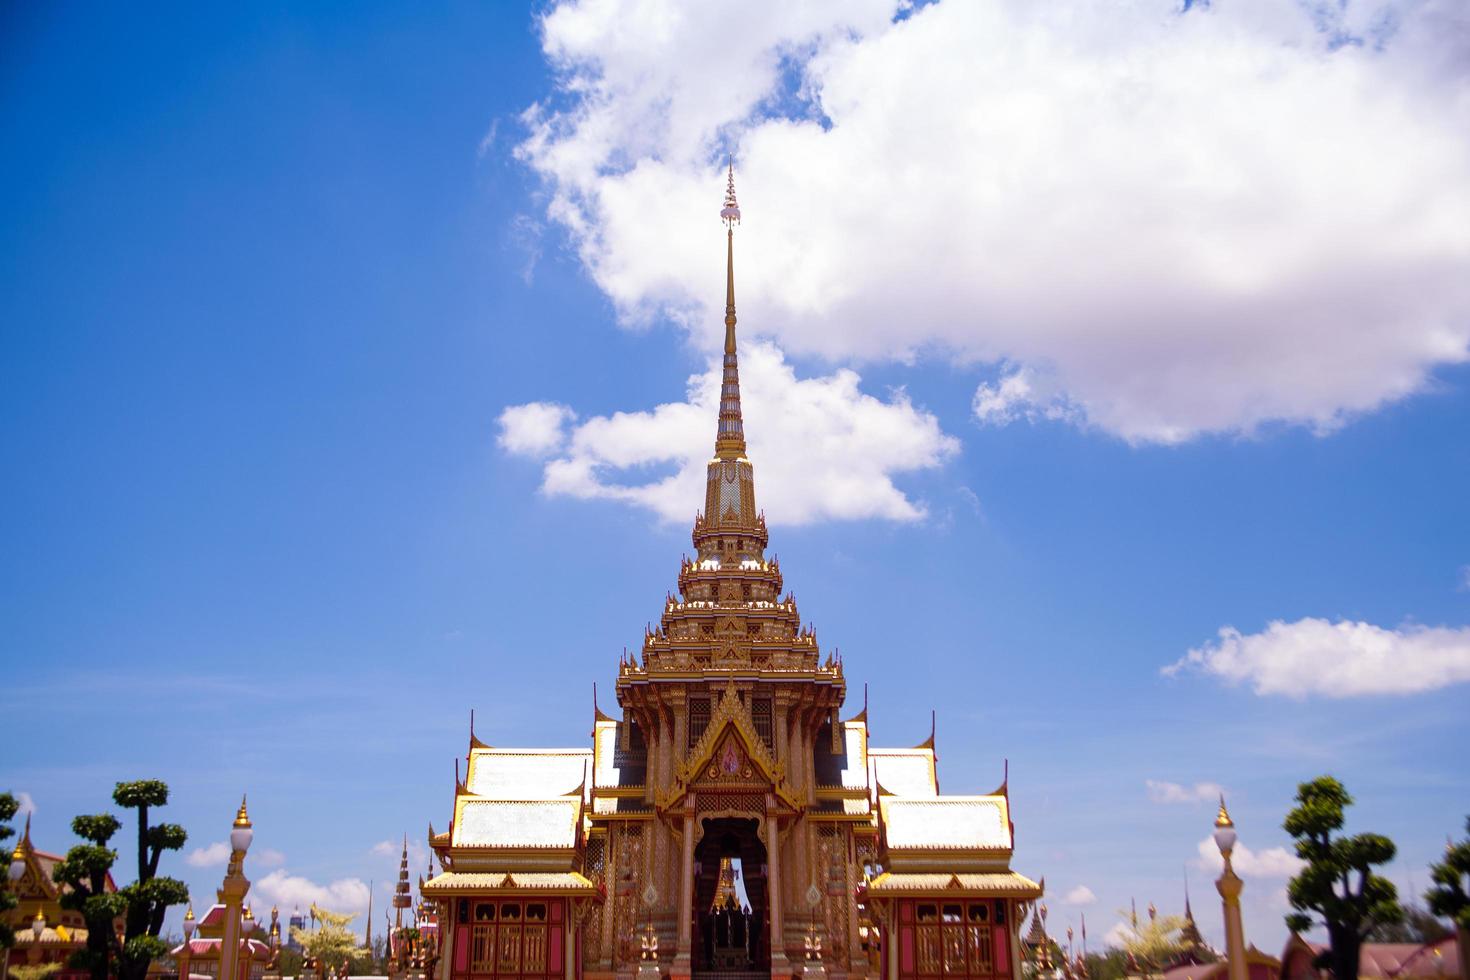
(730, 761)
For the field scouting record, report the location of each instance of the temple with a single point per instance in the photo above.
(731, 821)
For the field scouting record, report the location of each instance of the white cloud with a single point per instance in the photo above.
(535, 429)
(1163, 224)
(1165, 792)
(26, 806)
(1274, 862)
(386, 848)
(1465, 578)
(268, 857)
(823, 449)
(1312, 657)
(283, 889)
(209, 855)
(1081, 895)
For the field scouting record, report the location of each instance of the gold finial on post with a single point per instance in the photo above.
(1223, 818)
(242, 818)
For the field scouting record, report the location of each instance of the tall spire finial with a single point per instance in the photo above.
(730, 437)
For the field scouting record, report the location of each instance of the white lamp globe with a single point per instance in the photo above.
(1225, 839)
(38, 925)
(17, 865)
(241, 835)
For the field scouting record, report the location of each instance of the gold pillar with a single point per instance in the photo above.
(780, 965)
(684, 958)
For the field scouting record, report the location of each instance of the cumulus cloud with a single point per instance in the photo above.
(1274, 862)
(268, 857)
(26, 806)
(1156, 223)
(823, 448)
(1313, 657)
(1160, 791)
(1081, 895)
(283, 889)
(209, 855)
(534, 429)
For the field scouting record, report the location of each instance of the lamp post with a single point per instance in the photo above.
(232, 895)
(1229, 886)
(17, 872)
(187, 950)
(38, 929)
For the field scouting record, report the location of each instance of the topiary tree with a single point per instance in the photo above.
(1338, 883)
(141, 905)
(1449, 896)
(8, 809)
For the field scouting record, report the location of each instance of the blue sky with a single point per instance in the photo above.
(270, 280)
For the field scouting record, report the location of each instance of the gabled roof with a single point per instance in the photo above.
(946, 833)
(526, 774)
(481, 882)
(903, 772)
(999, 883)
(518, 824)
(946, 823)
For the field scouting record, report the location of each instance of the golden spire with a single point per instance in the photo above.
(730, 437)
(189, 913)
(24, 844)
(242, 818)
(1223, 818)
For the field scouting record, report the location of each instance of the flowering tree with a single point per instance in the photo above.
(331, 943)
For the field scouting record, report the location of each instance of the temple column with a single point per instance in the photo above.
(780, 965)
(684, 959)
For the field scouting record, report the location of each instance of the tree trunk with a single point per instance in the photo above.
(99, 945)
(1345, 949)
(128, 970)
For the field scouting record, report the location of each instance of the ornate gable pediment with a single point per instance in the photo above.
(729, 754)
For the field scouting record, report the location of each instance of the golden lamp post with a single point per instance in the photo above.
(232, 896)
(186, 951)
(1229, 886)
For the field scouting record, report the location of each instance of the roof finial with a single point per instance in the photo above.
(730, 213)
(730, 436)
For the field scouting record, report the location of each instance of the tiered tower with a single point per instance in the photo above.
(730, 753)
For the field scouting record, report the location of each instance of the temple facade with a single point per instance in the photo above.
(732, 820)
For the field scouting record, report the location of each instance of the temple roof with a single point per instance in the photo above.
(1006, 883)
(517, 823)
(946, 823)
(559, 882)
(527, 774)
(903, 772)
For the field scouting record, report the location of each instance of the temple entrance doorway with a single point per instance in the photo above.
(731, 917)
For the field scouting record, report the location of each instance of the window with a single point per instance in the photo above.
(482, 947)
(698, 719)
